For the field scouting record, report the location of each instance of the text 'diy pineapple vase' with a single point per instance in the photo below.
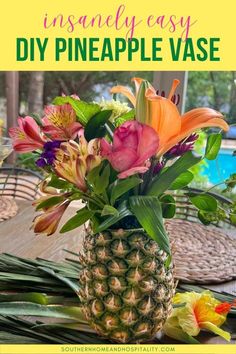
(126, 288)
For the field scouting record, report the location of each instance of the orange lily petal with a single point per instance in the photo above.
(198, 116)
(193, 120)
(125, 91)
(163, 116)
(175, 84)
(137, 82)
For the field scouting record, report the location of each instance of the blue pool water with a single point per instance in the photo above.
(221, 168)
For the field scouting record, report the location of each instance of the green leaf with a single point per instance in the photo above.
(95, 128)
(99, 178)
(124, 117)
(59, 183)
(204, 202)
(232, 218)
(162, 182)
(109, 210)
(28, 297)
(168, 206)
(31, 309)
(120, 187)
(77, 220)
(202, 216)
(50, 202)
(182, 180)
(123, 211)
(149, 214)
(213, 146)
(84, 111)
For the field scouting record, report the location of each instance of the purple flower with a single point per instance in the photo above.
(48, 155)
(158, 167)
(41, 162)
(183, 146)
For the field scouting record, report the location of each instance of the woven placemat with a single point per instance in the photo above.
(202, 254)
(8, 208)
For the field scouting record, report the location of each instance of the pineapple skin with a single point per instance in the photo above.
(125, 289)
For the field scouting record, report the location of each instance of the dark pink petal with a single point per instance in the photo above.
(148, 144)
(132, 171)
(31, 129)
(122, 159)
(106, 148)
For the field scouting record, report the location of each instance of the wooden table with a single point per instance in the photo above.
(17, 238)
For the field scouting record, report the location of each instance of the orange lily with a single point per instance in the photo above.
(163, 116)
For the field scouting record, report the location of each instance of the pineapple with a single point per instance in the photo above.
(125, 289)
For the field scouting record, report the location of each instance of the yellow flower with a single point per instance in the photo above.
(199, 311)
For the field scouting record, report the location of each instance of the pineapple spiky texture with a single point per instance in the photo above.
(125, 288)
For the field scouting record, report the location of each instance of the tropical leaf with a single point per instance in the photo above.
(109, 210)
(213, 146)
(50, 202)
(204, 202)
(168, 206)
(163, 181)
(15, 308)
(95, 128)
(120, 187)
(123, 211)
(182, 180)
(149, 214)
(77, 220)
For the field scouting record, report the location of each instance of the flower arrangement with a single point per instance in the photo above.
(122, 165)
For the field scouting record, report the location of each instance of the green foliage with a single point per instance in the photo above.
(230, 183)
(50, 202)
(124, 118)
(109, 210)
(98, 178)
(199, 180)
(148, 211)
(213, 146)
(204, 202)
(27, 161)
(95, 128)
(168, 206)
(214, 89)
(84, 110)
(123, 211)
(182, 180)
(120, 187)
(77, 220)
(163, 181)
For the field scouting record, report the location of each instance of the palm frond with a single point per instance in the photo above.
(50, 290)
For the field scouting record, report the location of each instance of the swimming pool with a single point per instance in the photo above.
(221, 168)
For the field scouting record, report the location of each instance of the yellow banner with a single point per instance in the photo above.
(121, 349)
(117, 35)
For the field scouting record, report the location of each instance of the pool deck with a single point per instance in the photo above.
(228, 144)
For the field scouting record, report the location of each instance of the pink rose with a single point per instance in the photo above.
(133, 144)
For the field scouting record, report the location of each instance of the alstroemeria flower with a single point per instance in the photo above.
(133, 144)
(60, 123)
(74, 161)
(199, 311)
(163, 116)
(49, 220)
(27, 136)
